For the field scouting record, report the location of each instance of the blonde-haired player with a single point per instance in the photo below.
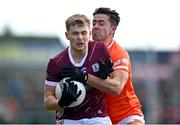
(81, 61)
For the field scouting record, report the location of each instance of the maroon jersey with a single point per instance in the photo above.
(94, 104)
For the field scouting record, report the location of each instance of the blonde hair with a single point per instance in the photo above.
(77, 19)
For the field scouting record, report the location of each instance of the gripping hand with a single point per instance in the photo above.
(105, 68)
(69, 94)
(75, 74)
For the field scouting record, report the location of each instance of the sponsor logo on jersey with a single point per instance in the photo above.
(95, 67)
(121, 64)
(121, 61)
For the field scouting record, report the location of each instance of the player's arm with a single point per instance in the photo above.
(112, 85)
(50, 101)
(69, 95)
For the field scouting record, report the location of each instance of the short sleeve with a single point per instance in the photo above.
(51, 72)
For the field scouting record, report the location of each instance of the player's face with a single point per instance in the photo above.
(102, 29)
(79, 37)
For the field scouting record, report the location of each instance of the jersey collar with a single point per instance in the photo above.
(72, 60)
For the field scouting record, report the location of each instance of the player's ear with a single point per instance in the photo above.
(114, 28)
(67, 35)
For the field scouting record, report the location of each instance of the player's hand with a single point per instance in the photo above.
(105, 68)
(74, 73)
(69, 94)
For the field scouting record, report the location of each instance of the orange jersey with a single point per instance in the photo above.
(127, 103)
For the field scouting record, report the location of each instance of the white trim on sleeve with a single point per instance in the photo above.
(50, 83)
(121, 67)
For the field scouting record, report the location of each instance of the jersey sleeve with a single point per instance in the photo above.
(120, 60)
(122, 64)
(101, 51)
(51, 74)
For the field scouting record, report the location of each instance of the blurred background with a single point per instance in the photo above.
(32, 31)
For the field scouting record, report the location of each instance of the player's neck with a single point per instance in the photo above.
(78, 55)
(108, 41)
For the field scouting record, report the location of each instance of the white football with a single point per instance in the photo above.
(80, 99)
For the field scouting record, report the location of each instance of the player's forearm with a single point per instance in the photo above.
(51, 103)
(106, 85)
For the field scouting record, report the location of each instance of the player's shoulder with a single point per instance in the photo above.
(93, 42)
(97, 44)
(117, 51)
(120, 48)
(59, 56)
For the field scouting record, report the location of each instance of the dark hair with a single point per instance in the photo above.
(114, 17)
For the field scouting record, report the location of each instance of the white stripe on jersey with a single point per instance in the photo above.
(125, 60)
(50, 83)
(92, 51)
(121, 67)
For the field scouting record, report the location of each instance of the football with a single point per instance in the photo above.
(80, 99)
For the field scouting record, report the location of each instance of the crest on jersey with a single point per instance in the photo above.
(95, 67)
